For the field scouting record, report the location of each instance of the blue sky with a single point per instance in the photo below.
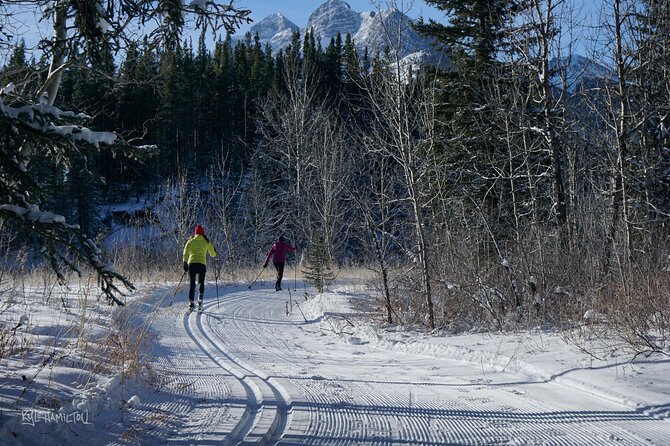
(298, 11)
(295, 10)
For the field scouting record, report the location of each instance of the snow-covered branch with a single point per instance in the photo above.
(54, 134)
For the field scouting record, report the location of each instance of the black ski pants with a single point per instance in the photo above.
(196, 269)
(279, 266)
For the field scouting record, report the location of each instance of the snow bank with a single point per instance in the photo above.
(56, 387)
(540, 356)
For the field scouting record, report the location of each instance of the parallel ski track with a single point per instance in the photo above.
(335, 416)
(197, 403)
(378, 413)
(268, 410)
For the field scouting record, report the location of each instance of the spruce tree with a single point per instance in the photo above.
(652, 78)
(333, 69)
(472, 146)
(19, 71)
(317, 268)
(202, 82)
(474, 33)
(223, 95)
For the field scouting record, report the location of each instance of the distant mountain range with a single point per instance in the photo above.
(370, 29)
(374, 30)
(580, 72)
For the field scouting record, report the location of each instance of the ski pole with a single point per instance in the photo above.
(259, 274)
(216, 281)
(177, 288)
(301, 312)
(295, 273)
(295, 259)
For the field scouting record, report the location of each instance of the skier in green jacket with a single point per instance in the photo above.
(195, 262)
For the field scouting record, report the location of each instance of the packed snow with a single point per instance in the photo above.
(299, 368)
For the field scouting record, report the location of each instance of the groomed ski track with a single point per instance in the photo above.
(243, 372)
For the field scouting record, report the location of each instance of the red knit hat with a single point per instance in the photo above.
(199, 230)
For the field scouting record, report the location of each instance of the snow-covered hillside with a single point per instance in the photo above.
(265, 367)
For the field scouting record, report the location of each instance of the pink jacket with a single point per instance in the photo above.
(278, 252)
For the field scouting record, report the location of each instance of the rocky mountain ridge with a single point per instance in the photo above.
(373, 30)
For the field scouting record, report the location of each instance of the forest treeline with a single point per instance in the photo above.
(499, 187)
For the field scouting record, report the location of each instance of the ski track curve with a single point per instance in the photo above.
(271, 409)
(195, 400)
(271, 378)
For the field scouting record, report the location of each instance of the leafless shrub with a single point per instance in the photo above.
(123, 350)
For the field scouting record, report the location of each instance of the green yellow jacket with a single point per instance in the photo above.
(196, 249)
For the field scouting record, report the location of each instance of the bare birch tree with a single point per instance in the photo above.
(402, 127)
(307, 166)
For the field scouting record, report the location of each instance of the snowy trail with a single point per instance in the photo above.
(248, 373)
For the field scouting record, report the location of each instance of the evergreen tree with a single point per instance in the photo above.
(317, 267)
(313, 65)
(19, 71)
(351, 73)
(474, 33)
(652, 163)
(75, 190)
(223, 95)
(202, 82)
(473, 38)
(137, 107)
(257, 68)
(350, 62)
(242, 92)
(277, 73)
(175, 116)
(333, 69)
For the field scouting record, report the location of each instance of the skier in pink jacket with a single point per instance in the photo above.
(278, 252)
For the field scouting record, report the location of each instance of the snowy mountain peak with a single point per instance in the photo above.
(367, 29)
(333, 17)
(272, 25)
(373, 32)
(579, 72)
(333, 4)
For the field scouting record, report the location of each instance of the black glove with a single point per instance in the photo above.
(265, 265)
(185, 266)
